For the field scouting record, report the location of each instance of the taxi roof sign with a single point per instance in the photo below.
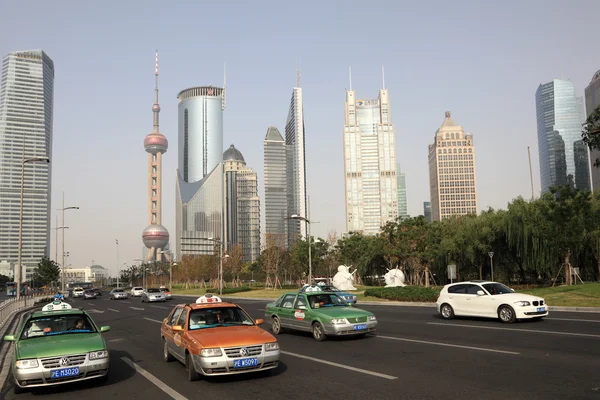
(208, 299)
(56, 306)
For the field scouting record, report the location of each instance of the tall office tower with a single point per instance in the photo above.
(369, 164)
(592, 100)
(26, 110)
(200, 182)
(402, 203)
(564, 158)
(452, 177)
(275, 188)
(427, 210)
(296, 165)
(242, 205)
(155, 236)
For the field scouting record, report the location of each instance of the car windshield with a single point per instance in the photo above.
(152, 290)
(496, 288)
(219, 316)
(164, 290)
(118, 291)
(57, 325)
(326, 300)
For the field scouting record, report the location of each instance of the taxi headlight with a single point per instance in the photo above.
(216, 352)
(271, 346)
(30, 363)
(339, 321)
(372, 318)
(96, 355)
(522, 303)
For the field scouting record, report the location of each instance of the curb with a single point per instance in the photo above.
(401, 303)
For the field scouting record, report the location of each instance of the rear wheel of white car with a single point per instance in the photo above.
(446, 311)
(167, 356)
(276, 326)
(318, 332)
(506, 314)
(190, 369)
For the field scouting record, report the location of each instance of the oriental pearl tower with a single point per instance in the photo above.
(155, 236)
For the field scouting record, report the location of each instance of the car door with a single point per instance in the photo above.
(180, 340)
(457, 298)
(169, 334)
(301, 318)
(285, 311)
(476, 305)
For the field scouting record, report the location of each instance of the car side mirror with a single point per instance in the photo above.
(104, 328)
(9, 338)
(259, 321)
(480, 293)
(177, 328)
(302, 307)
(512, 290)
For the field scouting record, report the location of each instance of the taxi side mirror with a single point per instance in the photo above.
(9, 338)
(259, 321)
(177, 328)
(104, 328)
(302, 307)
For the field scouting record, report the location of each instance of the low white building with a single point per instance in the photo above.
(93, 273)
(8, 269)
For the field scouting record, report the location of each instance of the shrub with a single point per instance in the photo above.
(229, 290)
(293, 286)
(406, 293)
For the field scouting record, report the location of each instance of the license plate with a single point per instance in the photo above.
(245, 362)
(540, 309)
(63, 373)
(360, 327)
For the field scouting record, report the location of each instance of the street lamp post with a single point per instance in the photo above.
(63, 239)
(308, 223)
(491, 254)
(220, 278)
(18, 267)
(171, 264)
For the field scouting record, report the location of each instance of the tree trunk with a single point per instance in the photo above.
(427, 276)
(598, 277)
(480, 271)
(568, 268)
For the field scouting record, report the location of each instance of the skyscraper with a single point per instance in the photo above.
(296, 165)
(155, 236)
(592, 100)
(369, 164)
(452, 177)
(242, 205)
(427, 210)
(200, 202)
(402, 203)
(26, 113)
(564, 158)
(275, 187)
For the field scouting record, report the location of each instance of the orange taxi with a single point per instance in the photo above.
(212, 337)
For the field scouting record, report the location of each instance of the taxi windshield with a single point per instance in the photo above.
(57, 325)
(204, 318)
(326, 300)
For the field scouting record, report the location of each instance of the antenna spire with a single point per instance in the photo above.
(223, 97)
(350, 73)
(298, 73)
(155, 106)
(383, 77)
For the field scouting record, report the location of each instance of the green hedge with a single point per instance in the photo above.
(230, 290)
(407, 293)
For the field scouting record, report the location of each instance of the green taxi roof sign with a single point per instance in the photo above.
(57, 306)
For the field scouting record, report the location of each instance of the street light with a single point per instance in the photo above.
(171, 263)
(141, 261)
(491, 254)
(308, 223)
(18, 268)
(63, 238)
(218, 241)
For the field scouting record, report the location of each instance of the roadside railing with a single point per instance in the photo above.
(9, 306)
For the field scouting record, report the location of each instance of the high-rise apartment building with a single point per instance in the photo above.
(592, 100)
(402, 202)
(452, 176)
(369, 164)
(242, 205)
(26, 112)
(564, 158)
(275, 176)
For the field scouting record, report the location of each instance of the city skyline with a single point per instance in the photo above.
(90, 149)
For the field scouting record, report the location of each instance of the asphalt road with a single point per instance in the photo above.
(415, 355)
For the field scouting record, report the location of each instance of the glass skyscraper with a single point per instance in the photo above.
(402, 203)
(26, 111)
(564, 158)
(275, 188)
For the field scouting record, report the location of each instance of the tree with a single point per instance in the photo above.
(46, 272)
(234, 263)
(591, 132)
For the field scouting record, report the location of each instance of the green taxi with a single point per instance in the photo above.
(321, 313)
(58, 345)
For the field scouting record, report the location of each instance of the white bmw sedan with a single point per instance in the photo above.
(488, 299)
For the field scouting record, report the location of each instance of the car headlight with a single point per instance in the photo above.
(216, 352)
(522, 303)
(372, 318)
(96, 355)
(271, 346)
(339, 321)
(30, 363)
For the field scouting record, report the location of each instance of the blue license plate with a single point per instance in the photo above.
(245, 362)
(360, 327)
(540, 309)
(64, 372)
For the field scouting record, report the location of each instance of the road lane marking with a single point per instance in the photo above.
(136, 308)
(458, 346)
(574, 319)
(116, 340)
(112, 309)
(160, 384)
(164, 308)
(94, 311)
(91, 304)
(517, 330)
(153, 320)
(334, 364)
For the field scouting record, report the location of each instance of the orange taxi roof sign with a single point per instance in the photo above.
(208, 299)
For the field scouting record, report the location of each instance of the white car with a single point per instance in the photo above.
(118, 294)
(137, 291)
(78, 292)
(153, 294)
(490, 300)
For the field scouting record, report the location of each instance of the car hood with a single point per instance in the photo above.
(230, 336)
(512, 297)
(52, 346)
(342, 312)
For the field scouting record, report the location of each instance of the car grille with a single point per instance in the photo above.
(253, 350)
(357, 319)
(538, 303)
(54, 362)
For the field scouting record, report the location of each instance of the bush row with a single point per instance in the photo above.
(407, 293)
(229, 290)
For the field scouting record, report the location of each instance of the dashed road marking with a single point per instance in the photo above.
(153, 320)
(517, 330)
(112, 309)
(447, 345)
(160, 384)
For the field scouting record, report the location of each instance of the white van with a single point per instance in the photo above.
(137, 291)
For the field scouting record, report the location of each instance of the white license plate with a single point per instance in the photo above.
(64, 372)
(245, 362)
(541, 309)
(360, 327)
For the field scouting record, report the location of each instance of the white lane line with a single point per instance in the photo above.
(574, 319)
(161, 307)
(160, 384)
(116, 340)
(448, 345)
(91, 304)
(518, 330)
(363, 371)
(112, 309)
(153, 320)
(136, 308)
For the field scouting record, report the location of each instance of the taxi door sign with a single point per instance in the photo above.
(299, 314)
(177, 339)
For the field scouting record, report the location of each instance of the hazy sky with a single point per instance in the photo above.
(482, 62)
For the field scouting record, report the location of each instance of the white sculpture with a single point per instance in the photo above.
(344, 279)
(394, 278)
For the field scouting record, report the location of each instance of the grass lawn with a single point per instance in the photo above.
(581, 295)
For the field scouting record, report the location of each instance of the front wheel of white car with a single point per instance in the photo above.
(446, 311)
(506, 314)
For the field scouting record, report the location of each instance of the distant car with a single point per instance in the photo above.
(118, 294)
(137, 291)
(153, 294)
(349, 297)
(89, 294)
(97, 291)
(166, 292)
(56, 346)
(490, 300)
(78, 292)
